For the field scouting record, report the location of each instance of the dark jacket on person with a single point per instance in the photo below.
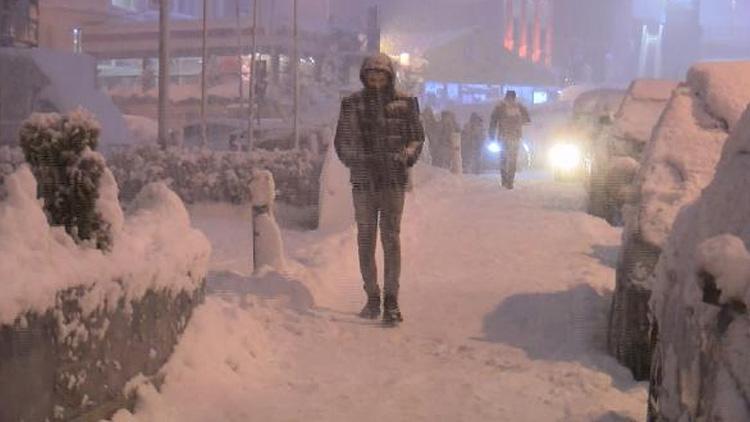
(379, 133)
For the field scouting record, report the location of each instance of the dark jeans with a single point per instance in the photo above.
(509, 161)
(370, 208)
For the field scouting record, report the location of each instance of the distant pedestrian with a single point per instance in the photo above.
(472, 138)
(507, 121)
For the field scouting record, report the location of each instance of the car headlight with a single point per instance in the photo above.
(494, 147)
(565, 156)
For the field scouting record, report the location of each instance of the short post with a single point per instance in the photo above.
(456, 161)
(268, 246)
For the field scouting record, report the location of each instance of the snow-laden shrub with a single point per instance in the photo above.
(198, 175)
(60, 150)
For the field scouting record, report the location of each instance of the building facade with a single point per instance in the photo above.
(670, 35)
(19, 23)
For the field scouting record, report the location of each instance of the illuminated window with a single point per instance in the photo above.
(125, 4)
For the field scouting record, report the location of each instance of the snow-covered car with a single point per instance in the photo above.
(678, 163)
(701, 291)
(616, 153)
(570, 152)
(568, 155)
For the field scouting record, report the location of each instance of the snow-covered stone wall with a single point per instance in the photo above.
(678, 163)
(218, 176)
(701, 366)
(76, 323)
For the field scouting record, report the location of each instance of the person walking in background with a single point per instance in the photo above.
(507, 122)
(472, 138)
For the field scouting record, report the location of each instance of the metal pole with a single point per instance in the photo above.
(204, 60)
(295, 67)
(239, 50)
(163, 71)
(251, 93)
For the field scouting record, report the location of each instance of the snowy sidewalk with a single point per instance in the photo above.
(505, 296)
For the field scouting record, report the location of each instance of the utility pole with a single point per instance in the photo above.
(295, 67)
(163, 72)
(251, 91)
(239, 50)
(204, 88)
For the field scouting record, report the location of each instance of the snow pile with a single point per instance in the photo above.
(725, 87)
(641, 109)
(154, 248)
(217, 176)
(143, 129)
(525, 325)
(701, 297)
(678, 163)
(726, 258)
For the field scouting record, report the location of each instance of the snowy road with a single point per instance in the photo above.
(505, 296)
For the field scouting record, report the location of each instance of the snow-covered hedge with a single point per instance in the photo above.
(90, 320)
(701, 368)
(60, 149)
(198, 175)
(678, 163)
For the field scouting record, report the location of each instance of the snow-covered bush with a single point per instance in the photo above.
(701, 363)
(678, 163)
(104, 317)
(60, 149)
(198, 175)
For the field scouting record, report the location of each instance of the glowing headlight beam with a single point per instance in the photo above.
(565, 156)
(494, 147)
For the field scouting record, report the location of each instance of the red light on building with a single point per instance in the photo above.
(536, 43)
(523, 43)
(508, 42)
